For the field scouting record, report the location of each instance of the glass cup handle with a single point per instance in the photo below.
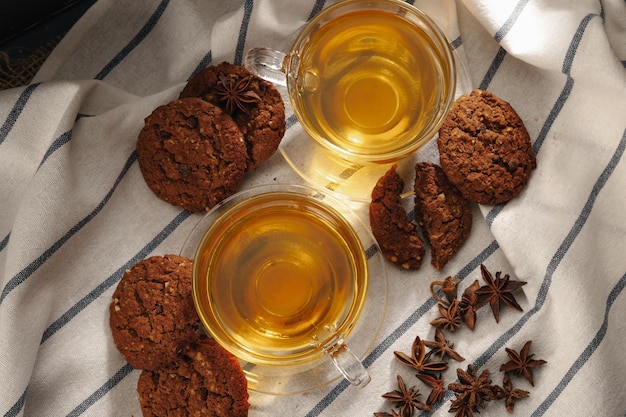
(349, 365)
(266, 63)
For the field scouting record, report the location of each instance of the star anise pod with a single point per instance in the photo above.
(496, 291)
(438, 387)
(448, 286)
(406, 398)
(385, 414)
(467, 305)
(522, 363)
(419, 359)
(473, 390)
(460, 407)
(442, 347)
(509, 394)
(235, 92)
(450, 319)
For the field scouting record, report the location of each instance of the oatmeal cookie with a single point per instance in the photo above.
(206, 381)
(152, 316)
(191, 154)
(444, 215)
(396, 235)
(485, 149)
(254, 104)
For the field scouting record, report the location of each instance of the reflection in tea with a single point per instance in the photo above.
(284, 275)
(369, 82)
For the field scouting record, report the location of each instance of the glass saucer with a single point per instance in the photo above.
(324, 170)
(297, 379)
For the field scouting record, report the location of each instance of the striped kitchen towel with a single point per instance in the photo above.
(75, 212)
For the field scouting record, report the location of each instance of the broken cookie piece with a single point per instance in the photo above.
(397, 237)
(444, 215)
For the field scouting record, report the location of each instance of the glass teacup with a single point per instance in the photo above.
(281, 277)
(370, 81)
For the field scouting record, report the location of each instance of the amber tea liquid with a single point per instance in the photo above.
(369, 82)
(279, 275)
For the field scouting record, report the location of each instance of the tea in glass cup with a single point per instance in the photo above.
(280, 277)
(370, 81)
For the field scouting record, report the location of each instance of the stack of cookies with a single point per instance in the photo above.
(194, 151)
(486, 157)
(155, 327)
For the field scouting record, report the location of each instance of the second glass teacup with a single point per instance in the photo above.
(370, 81)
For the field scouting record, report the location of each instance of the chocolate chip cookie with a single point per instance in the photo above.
(191, 154)
(254, 104)
(206, 381)
(485, 149)
(397, 237)
(152, 316)
(444, 215)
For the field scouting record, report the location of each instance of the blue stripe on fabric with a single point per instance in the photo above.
(456, 44)
(100, 392)
(317, 7)
(204, 62)
(56, 144)
(493, 68)
(291, 120)
(140, 36)
(573, 46)
(506, 27)
(17, 407)
(16, 111)
(493, 213)
(556, 110)
(110, 281)
(4, 242)
(33, 266)
(383, 346)
(243, 31)
(555, 261)
(586, 353)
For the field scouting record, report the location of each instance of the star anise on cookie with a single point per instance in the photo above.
(522, 363)
(406, 398)
(236, 93)
(419, 359)
(497, 291)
